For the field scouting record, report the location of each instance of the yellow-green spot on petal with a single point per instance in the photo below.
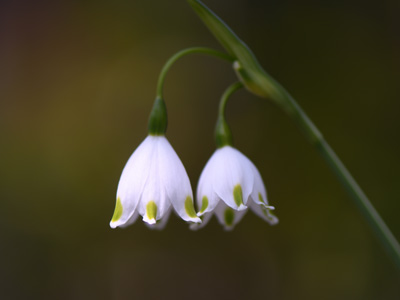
(117, 211)
(229, 216)
(189, 208)
(151, 210)
(260, 198)
(204, 204)
(238, 195)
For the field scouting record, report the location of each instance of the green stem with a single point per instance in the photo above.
(381, 230)
(223, 135)
(182, 53)
(225, 97)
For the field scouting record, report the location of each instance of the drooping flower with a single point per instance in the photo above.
(153, 181)
(229, 184)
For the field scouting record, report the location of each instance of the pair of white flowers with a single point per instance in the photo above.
(154, 182)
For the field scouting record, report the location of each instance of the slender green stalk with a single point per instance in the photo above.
(223, 135)
(225, 97)
(295, 112)
(158, 119)
(381, 230)
(182, 53)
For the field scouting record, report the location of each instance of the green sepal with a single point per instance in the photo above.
(223, 135)
(249, 71)
(158, 120)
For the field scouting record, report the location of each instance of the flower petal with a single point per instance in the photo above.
(259, 194)
(227, 216)
(204, 220)
(206, 198)
(232, 177)
(176, 182)
(131, 220)
(154, 202)
(132, 182)
(162, 223)
(264, 212)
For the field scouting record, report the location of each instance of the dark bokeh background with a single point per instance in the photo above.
(77, 81)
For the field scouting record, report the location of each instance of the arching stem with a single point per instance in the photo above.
(182, 53)
(223, 136)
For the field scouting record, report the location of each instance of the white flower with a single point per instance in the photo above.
(153, 180)
(231, 177)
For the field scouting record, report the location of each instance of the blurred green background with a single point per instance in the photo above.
(77, 82)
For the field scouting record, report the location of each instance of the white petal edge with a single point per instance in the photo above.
(204, 221)
(160, 225)
(264, 212)
(131, 220)
(133, 180)
(205, 189)
(259, 193)
(176, 182)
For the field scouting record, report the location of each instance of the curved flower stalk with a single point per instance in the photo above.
(229, 184)
(154, 180)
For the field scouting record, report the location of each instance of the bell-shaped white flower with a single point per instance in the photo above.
(229, 184)
(153, 181)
